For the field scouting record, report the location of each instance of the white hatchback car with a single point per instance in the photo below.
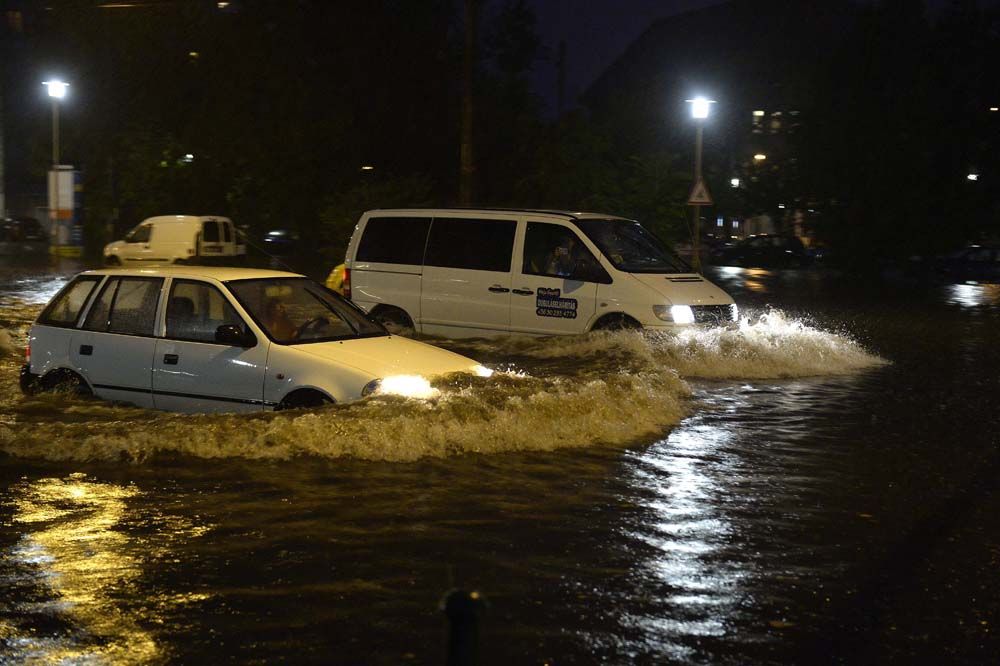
(198, 339)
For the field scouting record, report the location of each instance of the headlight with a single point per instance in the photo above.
(679, 314)
(371, 387)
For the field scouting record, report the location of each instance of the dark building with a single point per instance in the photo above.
(760, 60)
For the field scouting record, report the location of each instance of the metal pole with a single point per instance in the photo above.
(696, 229)
(55, 131)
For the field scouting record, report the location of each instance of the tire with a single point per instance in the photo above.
(303, 399)
(395, 320)
(112, 260)
(616, 322)
(65, 381)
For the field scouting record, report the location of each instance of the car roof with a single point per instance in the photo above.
(576, 215)
(220, 273)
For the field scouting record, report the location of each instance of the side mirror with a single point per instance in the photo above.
(230, 334)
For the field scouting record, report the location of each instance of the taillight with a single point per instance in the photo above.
(347, 283)
(27, 354)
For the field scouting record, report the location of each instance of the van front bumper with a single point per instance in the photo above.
(28, 380)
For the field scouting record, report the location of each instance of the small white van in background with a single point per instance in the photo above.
(175, 239)
(483, 272)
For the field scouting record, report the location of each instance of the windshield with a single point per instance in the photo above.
(631, 248)
(297, 310)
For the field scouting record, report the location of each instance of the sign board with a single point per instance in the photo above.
(699, 195)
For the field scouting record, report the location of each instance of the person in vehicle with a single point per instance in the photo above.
(277, 321)
(562, 260)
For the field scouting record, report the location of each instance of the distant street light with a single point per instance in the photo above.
(759, 157)
(57, 90)
(700, 107)
(973, 176)
(734, 182)
(995, 108)
(367, 167)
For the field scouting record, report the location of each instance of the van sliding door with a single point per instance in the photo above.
(467, 278)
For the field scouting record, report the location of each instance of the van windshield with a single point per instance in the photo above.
(631, 248)
(297, 311)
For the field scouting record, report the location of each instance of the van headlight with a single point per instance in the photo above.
(371, 387)
(679, 314)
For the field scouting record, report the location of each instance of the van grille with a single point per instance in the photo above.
(712, 314)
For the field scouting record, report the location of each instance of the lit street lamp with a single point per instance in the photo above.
(700, 107)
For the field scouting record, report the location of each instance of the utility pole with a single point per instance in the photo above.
(467, 166)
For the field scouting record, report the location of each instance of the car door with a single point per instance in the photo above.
(555, 283)
(194, 373)
(465, 290)
(211, 243)
(114, 348)
(138, 245)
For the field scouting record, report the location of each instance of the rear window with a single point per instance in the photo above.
(484, 245)
(65, 308)
(210, 231)
(394, 240)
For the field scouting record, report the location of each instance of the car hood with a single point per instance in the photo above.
(684, 288)
(390, 355)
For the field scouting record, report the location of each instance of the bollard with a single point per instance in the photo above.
(463, 609)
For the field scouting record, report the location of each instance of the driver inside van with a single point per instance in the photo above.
(277, 321)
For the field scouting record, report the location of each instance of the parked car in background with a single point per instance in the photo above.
(764, 251)
(976, 263)
(487, 272)
(281, 242)
(199, 339)
(177, 239)
(22, 235)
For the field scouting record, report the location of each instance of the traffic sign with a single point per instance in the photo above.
(699, 195)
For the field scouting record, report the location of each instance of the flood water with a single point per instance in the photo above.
(816, 485)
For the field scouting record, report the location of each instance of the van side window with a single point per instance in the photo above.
(140, 234)
(484, 245)
(394, 240)
(552, 250)
(210, 231)
(126, 305)
(196, 309)
(65, 309)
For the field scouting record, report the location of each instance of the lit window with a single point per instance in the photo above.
(736, 224)
(758, 114)
(719, 222)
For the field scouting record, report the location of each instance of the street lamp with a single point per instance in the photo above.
(700, 107)
(57, 90)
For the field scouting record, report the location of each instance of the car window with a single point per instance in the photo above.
(979, 255)
(630, 247)
(553, 250)
(66, 306)
(141, 234)
(196, 309)
(297, 310)
(227, 232)
(394, 240)
(484, 245)
(210, 231)
(125, 305)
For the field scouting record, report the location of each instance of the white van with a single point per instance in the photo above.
(175, 239)
(483, 272)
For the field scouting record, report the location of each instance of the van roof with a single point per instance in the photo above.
(575, 215)
(166, 219)
(220, 273)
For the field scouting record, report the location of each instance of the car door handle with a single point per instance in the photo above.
(523, 292)
(86, 350)
(170, 359)
(497, 289)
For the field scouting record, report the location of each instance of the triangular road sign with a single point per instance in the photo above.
(699, 195)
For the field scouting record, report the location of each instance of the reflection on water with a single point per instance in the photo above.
(75, 566)
(973, 295)
(698, 586)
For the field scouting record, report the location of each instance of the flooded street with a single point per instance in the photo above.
(818, 484)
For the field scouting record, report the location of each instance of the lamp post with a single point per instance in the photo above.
(57, 90)
(699, 111)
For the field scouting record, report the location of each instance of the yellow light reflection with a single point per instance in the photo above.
(74, 546)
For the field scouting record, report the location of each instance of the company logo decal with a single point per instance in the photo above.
(548, 303)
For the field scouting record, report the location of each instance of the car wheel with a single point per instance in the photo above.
(616, 322)
(303, 399)
(395, 320)
(65, 381)
(112, 260)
